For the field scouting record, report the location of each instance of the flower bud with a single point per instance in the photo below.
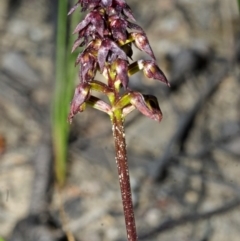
(121, 71)
(81, 94)
(147, 105)
(95, 19)
(151, 70)
(118, 28)
(109, 47)
(85, 4)
(141, 42)
(88, 66)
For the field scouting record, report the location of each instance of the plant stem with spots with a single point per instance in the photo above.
(123, 174)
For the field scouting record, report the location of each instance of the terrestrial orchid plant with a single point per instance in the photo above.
(107, 34)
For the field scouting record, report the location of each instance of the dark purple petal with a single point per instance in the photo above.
(94, 18)
(128, 13)
(118, 5)
(98, 22)
(107, 3)
(119, 27)
(80, 96)
(88, 4)
(82, 24)
(142, 43)
(76, 44)
(147, 105)
(106, 46)
(89, 51)
(94, 45)
(102, 55)
(121, 3)
(88, 66)
(151, 70)
(122, 74)
(73, 8)
(152, 103)
(135, 27)
(117, 50)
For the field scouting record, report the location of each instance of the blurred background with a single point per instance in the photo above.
(185, 171)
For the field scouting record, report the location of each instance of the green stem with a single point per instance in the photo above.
(123, 174)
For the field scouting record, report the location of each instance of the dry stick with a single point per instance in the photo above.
(123, 173)
(63, 216)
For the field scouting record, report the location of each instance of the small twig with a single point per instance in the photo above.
(64, 217)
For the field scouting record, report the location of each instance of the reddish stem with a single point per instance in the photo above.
(123, 173)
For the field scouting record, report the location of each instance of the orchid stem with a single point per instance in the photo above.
(123, 174)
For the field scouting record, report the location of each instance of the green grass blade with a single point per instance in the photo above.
(64, 85)
(58, 127)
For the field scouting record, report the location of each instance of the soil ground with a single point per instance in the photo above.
(185, 171)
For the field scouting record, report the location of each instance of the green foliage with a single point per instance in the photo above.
(65, 76)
